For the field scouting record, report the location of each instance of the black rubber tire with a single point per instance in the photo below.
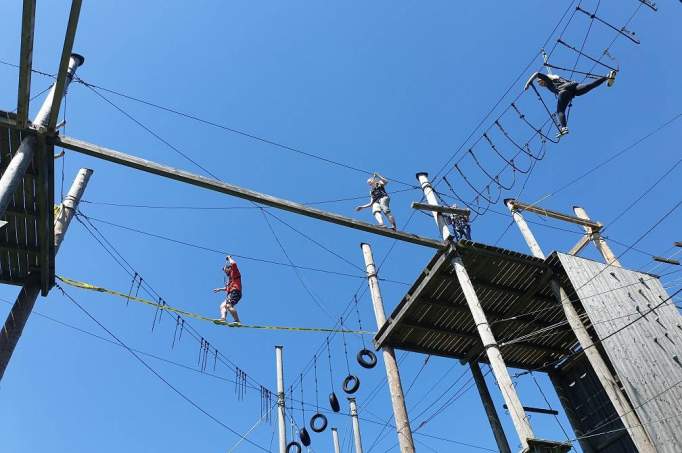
(322, 427)
(351, 388)
(367, 358)
(334, 402)
(295, 445)
(304, 436)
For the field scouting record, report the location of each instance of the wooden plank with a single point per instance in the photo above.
(642, 349)
(598, 240)
(60, 84)
(16, 270)
(45, 207)
(521, 206)
(581, 244)
(230, 189)
(4, 160)
(441, 209)
(28, 19)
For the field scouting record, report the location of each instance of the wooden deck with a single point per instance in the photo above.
(26, 242)
(433, 317)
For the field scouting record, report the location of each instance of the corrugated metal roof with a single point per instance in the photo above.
(26, 242)
(433, 317)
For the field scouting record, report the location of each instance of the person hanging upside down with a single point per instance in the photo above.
(233, 290)
(379, 200)
(565, 91)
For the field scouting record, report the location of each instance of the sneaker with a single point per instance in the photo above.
(234, 324)
(611, 78)
(563, 131)
(219, 321)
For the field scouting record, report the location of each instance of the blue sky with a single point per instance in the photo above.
(394, 87)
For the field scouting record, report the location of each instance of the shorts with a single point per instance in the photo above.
(233, 297)
(383, 204)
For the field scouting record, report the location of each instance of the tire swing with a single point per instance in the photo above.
(303, 432)
(318, 422)
(351, 383)
(293, 446)
(333, 400)
(366, 358)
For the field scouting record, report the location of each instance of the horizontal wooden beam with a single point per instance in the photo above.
(441, 209)
(28, 20)
(662, 259)
(537, 410)
(236, 191)
(521, 206)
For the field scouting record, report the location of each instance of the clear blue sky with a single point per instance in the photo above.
(389, 86)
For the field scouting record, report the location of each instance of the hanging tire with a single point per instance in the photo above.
(351, 384)
(318, 428)
(366, 358)
(294, 447)
(334, 402)
(304, 436)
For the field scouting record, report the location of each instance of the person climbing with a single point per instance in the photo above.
(461, 227)
(566, 90)
(379, 200)
(233, 290)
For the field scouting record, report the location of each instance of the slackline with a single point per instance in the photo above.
(158, 306)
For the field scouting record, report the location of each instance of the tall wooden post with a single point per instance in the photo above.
(356, 425)
(607, 380)
(402, 422)
(489, 406)
(335, 440)
(281, 425)
(21, 310)
(516, 411)
(599, 241)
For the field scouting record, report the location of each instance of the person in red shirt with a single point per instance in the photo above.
(233, 290)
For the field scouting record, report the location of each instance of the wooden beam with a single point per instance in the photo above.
(521, 206)
(599, 242)
(516, 292)
(236, 191)
(60, 84)
(441, 209)
(537, 410)
(28, 20)
(665, 260)
(581, 244)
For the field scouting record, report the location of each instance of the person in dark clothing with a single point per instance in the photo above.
(233, 291)
(379, 200)
(566, 90)
(461, 227)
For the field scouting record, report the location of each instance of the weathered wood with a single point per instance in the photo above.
(402, 422)
(641, 335)
(441, 209)
(61, 83)
(236, 191)
(537, 410)
(28, 18)
(662, 259)
(489, 406)
(521, 206)
(581, 244)
(598, 240)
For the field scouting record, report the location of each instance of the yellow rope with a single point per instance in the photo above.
(99, 289)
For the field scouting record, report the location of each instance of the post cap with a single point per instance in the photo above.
(422, 173)
(80, 59)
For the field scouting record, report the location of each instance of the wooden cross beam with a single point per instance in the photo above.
(28, 20)
(441, 209)
(521, 206)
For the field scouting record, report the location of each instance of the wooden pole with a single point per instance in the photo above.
(516, 411)
(402, 422)
(281, 425)
(489, 406)
(356, 425)
(21, 310)
(607, 380)
(28, 20)
(598, 240)
(335, 440)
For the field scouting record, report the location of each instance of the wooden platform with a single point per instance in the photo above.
(433, 317)
(26, 242)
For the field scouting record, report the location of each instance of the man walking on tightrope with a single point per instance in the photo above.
(565, 91)
(233, 291)
(379, 200)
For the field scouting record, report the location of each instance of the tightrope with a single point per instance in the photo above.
(111, 292)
